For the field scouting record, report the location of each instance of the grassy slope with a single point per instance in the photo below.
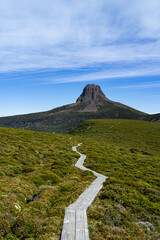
(42, 163)
(66, 118)
(34, 163)
(128, 207)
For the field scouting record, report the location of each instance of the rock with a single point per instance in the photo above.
(149, 227)
(91, 93)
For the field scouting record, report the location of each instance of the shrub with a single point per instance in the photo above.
(27, 169)
(17, 169)
(38, 181)
(48, 175)
(66, 187)
(59, 162)
(4, 227)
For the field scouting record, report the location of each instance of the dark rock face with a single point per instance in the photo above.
(91, 93)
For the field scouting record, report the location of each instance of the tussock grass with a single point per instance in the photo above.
(128, 152)
(37, 164)
(42, 164)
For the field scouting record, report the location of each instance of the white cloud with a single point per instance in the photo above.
(108, 74)
(140, 86)
(73, 34)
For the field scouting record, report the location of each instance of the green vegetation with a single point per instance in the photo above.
(38, 180)
(152, 117)
(66, 118)
(91, 104)
(38, 166)
(128, 152)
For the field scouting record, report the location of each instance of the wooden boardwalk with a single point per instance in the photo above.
(75, 226)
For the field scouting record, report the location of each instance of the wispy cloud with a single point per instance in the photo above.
(140, 86)
(58, 35)
(103, 75)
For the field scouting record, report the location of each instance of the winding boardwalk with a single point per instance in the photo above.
(75, 226)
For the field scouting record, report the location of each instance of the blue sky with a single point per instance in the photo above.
(49, 50)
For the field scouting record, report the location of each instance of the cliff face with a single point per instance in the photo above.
(92, 93)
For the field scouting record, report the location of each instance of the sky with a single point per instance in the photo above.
(49, 51)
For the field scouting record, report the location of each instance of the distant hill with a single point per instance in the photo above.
(153, 117)
(91, 104)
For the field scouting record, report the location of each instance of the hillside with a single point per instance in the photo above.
(91, 104)
(152, 118)
(127, 151)
(37, 181)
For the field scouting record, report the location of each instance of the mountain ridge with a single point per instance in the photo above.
(91, 104)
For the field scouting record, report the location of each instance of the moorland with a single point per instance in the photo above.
(128, 151)
(38, 180)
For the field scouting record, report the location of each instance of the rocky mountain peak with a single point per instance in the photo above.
(91, 92)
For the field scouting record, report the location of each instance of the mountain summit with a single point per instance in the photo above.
(91, 104)
(91, 92)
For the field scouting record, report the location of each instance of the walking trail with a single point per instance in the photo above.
(75, 226)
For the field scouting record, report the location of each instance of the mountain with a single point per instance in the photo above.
(92, 93)
(152, 117)
(91, 104)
